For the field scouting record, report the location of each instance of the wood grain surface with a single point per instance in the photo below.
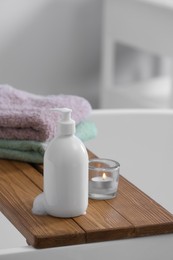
(131, 214)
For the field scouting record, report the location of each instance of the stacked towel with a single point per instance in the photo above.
(27, 116)
(27, 124)
(33, 151)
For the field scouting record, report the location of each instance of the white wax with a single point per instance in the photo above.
(103, 183)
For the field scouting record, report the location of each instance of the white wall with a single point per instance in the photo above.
(51, 46)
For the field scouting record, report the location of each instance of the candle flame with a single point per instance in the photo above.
(104, 176)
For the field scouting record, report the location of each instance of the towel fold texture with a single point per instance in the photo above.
(27, 116)
(33, 151)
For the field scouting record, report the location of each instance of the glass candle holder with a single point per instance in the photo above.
(103, 178)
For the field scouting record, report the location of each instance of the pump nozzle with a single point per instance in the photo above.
(66, 125)
(66, 112)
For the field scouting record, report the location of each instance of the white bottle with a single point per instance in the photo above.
(66, 171)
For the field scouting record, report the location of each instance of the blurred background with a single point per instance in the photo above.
(57, 46)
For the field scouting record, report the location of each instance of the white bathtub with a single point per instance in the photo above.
(142, 141)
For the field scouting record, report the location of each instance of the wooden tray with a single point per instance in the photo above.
(130, 214)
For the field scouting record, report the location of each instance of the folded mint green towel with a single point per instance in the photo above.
(33, 151)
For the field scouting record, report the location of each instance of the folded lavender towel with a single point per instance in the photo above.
(27, 116)
(33, 151)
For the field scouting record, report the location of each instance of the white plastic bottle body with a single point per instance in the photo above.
(66, 177)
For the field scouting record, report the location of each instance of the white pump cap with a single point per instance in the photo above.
(67, 124)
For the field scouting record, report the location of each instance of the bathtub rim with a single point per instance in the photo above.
(132, 111)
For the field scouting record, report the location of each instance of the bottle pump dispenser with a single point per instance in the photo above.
(66, 171)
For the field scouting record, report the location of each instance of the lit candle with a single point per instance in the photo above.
(103, 178)
(102, 182)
